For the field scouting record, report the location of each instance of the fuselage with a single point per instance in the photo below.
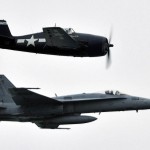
(74, 104)
(55, 41)
(91, 45)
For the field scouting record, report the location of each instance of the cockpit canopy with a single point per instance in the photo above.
(69, 31)
(112, 92)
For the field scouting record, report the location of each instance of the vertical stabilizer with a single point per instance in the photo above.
(5, 85)
(4, 29)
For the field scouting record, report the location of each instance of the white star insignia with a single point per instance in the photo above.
(31, 41)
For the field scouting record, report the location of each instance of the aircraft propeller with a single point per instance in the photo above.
(108, 50)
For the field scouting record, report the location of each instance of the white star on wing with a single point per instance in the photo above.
(31, 41)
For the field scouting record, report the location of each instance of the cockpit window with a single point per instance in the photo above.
(112, 92)
(69, 31)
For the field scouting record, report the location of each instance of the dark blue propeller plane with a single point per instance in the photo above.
(56, 41)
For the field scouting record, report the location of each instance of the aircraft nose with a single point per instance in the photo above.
(106, 46)
(106, 50)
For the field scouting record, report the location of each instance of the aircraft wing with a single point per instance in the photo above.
(24, 97)
(57, 37)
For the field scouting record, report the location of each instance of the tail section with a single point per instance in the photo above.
(5, 85)
(4, 29)
(5, 82)
(6, 39)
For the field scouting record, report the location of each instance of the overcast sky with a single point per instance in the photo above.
(129, 72)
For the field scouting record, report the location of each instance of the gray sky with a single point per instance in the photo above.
(128, 73)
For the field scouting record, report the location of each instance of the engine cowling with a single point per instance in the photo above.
(94, 45)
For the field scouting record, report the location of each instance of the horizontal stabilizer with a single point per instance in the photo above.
(7, 38)
(57, 37)
(6, 41)
(2, 107)
(29, 88)
(24, 97)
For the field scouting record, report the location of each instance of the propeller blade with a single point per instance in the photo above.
(109, 53)
(110, 35)
(108, 63)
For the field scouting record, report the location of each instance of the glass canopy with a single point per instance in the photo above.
(69, 31)
(112, 92)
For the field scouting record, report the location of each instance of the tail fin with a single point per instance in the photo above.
(4, 29)
(5, 85)
(6, 39)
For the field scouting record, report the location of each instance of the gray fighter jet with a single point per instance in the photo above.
(23, 105)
